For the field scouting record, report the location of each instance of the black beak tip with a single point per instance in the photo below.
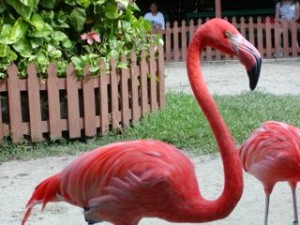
(254, 73)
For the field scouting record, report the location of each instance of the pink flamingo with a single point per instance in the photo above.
(124, 182)
(272, 154)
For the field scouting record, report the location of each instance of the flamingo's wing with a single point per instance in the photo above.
(117, 166)
(272, 151)
(138, 176)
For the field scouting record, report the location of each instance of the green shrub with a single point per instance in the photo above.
(77, 31)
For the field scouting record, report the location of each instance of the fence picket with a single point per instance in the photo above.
(14, 103)
(114, 95)
(152, 79)
(103, 98)
(183, 40)
(53, 103)
(144, 86)
(191, 30)
(161, 78)
(285, 38)
(251, 31)
(73, 103)
(89, 106)
(135, 108)
(126, 115)
(277, 30)
(34, 103)
(176, 41)
(294, 36)
(168, 31)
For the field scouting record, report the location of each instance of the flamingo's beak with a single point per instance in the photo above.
(251, 58)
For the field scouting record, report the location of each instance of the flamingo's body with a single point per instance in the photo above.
(272, 154)
(126, 181)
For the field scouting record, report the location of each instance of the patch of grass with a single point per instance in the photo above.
(180, 123)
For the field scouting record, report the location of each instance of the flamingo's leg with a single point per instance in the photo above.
(294, 195)
(267, 208)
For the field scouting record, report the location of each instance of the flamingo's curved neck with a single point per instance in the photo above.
(233, 186)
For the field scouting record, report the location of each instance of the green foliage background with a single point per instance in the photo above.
(43, 31)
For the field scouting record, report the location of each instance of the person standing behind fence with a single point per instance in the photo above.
(287, 10)
(155, 17)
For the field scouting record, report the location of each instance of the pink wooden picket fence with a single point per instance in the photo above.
(52, 108)
(272, 39)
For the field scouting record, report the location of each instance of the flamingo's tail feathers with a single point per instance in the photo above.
(46, 191)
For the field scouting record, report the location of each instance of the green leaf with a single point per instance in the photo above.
(3, 50)
(77, 19)
(30, 3)
(21, 9)
(124, 3)
(37, 21)
(94, 69)
(122, 65)
(18, 31)
(6, 53)
(53, 52)
(62, 17)
(36, 42)
(100, 2)
(59, 36)
(47, 4)
(134, 7)
(45, 32)
(112, 12)
(23, 47)
(4, 35)
(70, 2)
(84, 3)
(67, 43)
(77, 62)
(2, 6)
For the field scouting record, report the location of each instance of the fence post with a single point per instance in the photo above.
(114, 94)
(278, 40)
(103, 98)
(73, 103)
(175, 41)
(191, 29)
(168, 42)
(126, 115)
(268, 38)
(14, 102)
(144, 86)
(34, 103)
(251, 31)
(183, 40)
(53, 103)
(286, 47)
(161, 77)
(89, 106)
(152, 79)
(260, 36)
(294, 33)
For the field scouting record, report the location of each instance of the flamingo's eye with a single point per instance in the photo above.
(228, 34)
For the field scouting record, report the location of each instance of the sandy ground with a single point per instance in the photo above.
(18, 178)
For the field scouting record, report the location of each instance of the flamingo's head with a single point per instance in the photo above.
(224, 37)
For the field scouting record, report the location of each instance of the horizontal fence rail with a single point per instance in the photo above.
(272, 39)
(53, 108)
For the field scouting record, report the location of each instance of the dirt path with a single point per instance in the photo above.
(277, 77)
(18, 178)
